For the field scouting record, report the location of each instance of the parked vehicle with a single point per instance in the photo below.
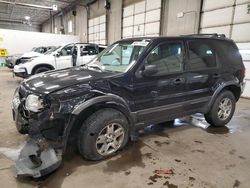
(16, 59)
(11, 60)
(64, 57)
(132, 84)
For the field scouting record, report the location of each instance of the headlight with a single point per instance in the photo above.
(33, 103)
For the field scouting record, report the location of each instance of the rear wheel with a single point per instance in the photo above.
(41, 69)
(103, 134)
(222, 110)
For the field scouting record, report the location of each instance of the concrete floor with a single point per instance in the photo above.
(200, 156)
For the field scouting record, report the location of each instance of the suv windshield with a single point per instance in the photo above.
(119, 56)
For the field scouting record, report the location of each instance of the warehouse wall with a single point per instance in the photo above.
(22, 27)
(187, 24)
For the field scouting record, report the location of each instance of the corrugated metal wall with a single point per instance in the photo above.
(142, 19)
(231, 17)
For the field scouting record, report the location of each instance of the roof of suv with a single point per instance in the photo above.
(194, 36)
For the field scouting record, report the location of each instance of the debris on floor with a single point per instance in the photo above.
(164, 172)
(30, 164)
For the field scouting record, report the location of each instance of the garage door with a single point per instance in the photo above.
(142, 19)
(97, 30)
(232, 19)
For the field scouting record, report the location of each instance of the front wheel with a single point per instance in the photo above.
(222, 110)
(41, 69)
(103, 134)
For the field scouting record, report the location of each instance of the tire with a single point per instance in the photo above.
(215, 116)
(93, 137)
(41, 69)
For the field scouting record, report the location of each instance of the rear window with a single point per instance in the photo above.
(202, 55)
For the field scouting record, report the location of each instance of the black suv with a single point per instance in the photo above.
(130, 85)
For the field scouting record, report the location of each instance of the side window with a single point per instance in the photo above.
(101, 49)
(168, 58)
(67, 50)
(201, 55)
(88, 50)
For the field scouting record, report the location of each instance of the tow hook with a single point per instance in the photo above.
(36, 162)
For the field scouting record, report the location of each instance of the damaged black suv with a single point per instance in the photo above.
(131, 84)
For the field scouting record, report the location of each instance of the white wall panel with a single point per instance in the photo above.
(214, 4)
(97, 29)
(153, 4)
(140, 7)
(96, 21)
(91, 37)
(128, 11)
(245, 51)
(152, 28)
(91, 22)
(139, 30)
(240, 32)
(102, 35)
(102, 27)
(241, 14)
(128, 31)
(128, 21)
(242, 1)
(222, 30)
(102, 19)
(139, 19)
(217, 17)
(91, 30)
(154, 15)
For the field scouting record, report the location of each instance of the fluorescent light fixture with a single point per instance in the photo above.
(27, 17)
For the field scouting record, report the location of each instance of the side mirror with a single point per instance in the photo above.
(58, 54)
(150, 70)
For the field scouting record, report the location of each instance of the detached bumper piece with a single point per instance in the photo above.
(36, 163)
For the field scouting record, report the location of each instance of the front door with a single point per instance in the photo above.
(64, 60)
(166, 89)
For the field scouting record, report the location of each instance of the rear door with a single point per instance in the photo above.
(87, 53)
(203, 71)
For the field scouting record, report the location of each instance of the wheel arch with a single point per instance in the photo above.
(83, 111)
(42, 65)
(232, 86)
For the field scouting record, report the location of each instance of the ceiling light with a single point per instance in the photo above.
(27, 18)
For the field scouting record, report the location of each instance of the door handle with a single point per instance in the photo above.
(216, 75)
(154, 93)
(178, 81)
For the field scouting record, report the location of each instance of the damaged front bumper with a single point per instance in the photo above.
(36, 161)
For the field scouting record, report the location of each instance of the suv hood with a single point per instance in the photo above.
(51, 81)
(31, 54)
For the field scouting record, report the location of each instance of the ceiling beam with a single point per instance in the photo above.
(27, 5)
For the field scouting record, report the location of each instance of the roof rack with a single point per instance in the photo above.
(212, 35)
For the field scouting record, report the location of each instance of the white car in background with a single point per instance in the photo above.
(74, 54)
(16, 59)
